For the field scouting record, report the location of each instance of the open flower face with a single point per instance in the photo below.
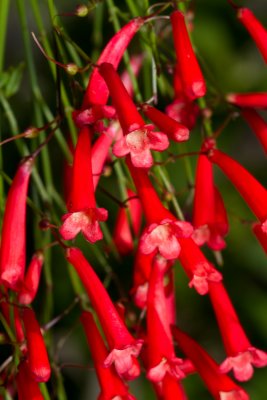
(164, 236)
(138, 143)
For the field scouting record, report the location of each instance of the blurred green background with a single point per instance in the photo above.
(231, 63)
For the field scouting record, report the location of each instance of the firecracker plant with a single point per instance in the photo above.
(133, 212)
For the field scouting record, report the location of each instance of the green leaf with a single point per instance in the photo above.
(10, 80)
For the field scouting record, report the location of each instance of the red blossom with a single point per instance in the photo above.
(161, 355)
(199, 270)
(248, 100)
(83, 215)
(249, 188)
(122, 235)
(165, 238)
(241, 355)
(193, 83)
(27, 387)
(13, 242)
(173, 129)
(97, 90)
(138, 138)
(257, 124)
(124, 349)
(219, 384)
(255, 28)
(111, 385)
(210, 220)
(101, 148)
(36, 351)
(32, 279)
(183, 111)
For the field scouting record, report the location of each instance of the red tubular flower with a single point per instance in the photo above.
(248, 100)
(210, 221)
(124, 348)
(192, 79)
(28, 388)
(242, 356)
(161, 355)
(83, 215)
(38, 360)
(173, 129)
(100, 149)
(261, 236)
(122, 235)
(182, 109)
(219, 385)
(199, 270)
(111, 385)
(97, 90)
(255, 28)
(32, 279)
(13, 242)
(250, 189)
(142, 270)
(258, 126)
(164, 229)
(172, 389)
(171, 237)
(139, 138)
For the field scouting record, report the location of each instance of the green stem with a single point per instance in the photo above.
(22, 147)
(166, 181)
(206, 119)
(4, 10)
(66, 103)
(97, 30)
(44, 391)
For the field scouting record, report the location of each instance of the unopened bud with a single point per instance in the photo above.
(44, 224)
(81, 10)
(168, 196)
(31, 132)
(107, 171)
(71, 69)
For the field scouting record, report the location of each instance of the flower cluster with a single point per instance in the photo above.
(130, 323)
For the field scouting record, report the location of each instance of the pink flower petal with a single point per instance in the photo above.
(120, 148)
(170, 249)
(242, 364)
(85, 221)
(125, 360)
(201, 235)
(158, 141)
(142, 160)
(203, 273)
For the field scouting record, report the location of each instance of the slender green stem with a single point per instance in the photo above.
(206, 118)
(22, 147)
(97, 30)
(2, 193)
(4, 10)
(123, 190)
(44, 391)
(8, 330)
(166, 181)
(66, 103)
(133, 8)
